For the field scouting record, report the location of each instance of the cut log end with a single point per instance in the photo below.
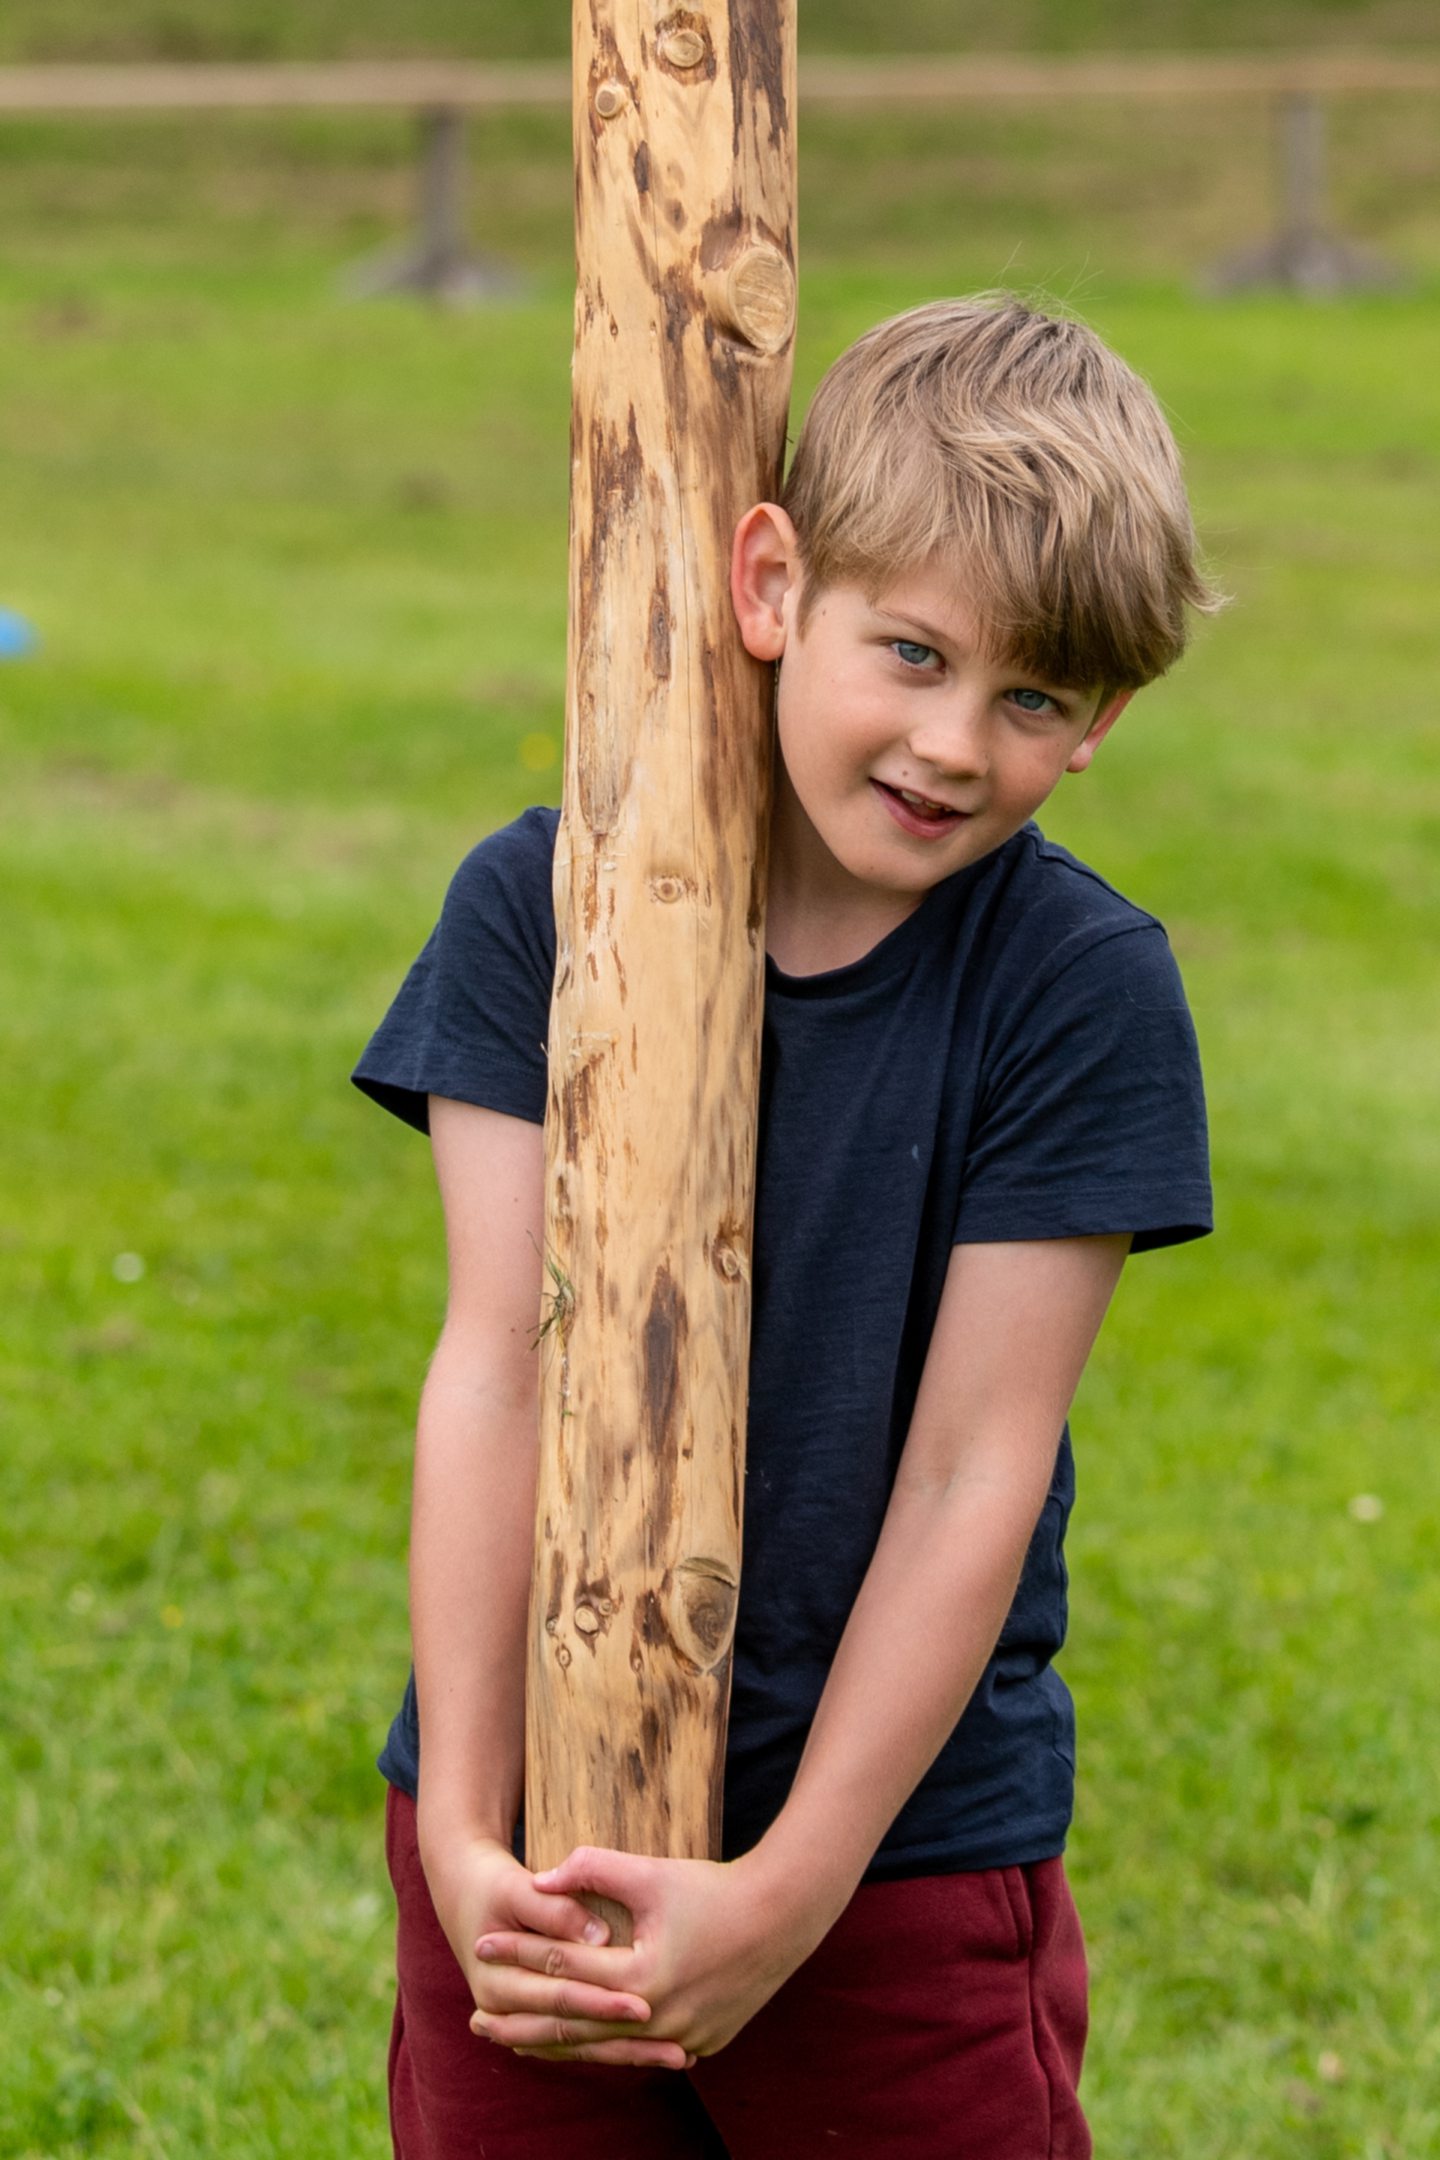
(681, 45)
(753, 298)
(706, 1596)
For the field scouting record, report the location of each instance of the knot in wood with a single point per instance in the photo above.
(704, 1609)
(562, 1656)
(754, 298)
(728, 1261)
(666, 889)
(587, 1619)
(683, 45)
(610, 99)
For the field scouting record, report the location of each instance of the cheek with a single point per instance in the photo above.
(1034, 771)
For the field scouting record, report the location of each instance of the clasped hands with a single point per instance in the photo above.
(711, 1945)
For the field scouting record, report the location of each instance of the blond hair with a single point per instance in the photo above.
(1016, 447)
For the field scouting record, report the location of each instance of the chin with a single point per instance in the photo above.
(913, 878)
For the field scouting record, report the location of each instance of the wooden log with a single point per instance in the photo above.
(684, 168)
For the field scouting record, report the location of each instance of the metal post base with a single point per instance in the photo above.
(456, 281)
(1308, 262)
(437, 263)
(1304, 256)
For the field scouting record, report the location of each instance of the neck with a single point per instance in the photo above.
(817, 915)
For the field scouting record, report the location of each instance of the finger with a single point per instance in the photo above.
(567, 2034)
(624, 1877)
(507, 1991)
(558, 1961)
(636, 2054)
(556, 1916)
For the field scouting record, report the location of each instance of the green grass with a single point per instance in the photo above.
(301, 29)
(298, 569)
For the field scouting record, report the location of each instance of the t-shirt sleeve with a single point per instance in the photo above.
(1092, 1114)
(470, 1019)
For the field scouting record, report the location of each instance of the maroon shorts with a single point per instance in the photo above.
(942, 2018)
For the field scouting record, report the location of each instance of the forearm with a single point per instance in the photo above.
(470, 1555)
(928, 1614)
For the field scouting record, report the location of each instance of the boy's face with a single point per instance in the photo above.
(905, 752)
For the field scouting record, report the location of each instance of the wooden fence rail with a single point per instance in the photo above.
(928, 78)
(1302, 252)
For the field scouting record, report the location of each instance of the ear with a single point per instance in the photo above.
(764, 579)
(1098, 729)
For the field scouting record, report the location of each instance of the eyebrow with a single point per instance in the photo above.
(913, 622)
(1031, 677)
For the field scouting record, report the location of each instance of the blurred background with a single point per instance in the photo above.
(282, 613)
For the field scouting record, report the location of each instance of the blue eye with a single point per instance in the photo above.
(1023, 698)
(913, 655)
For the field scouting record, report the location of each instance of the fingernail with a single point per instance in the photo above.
(595, 1931)
(485, 1950)
(547, 1875)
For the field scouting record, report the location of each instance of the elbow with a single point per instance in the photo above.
(985, 1484)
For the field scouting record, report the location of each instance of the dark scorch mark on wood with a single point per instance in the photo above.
(677, 301)
(652, 1740)
(617, 470)
(721, 237)
(556, 1598)
(577, 1108)
(662, 1346)
(655, 1632)
(757, 69)
(660, 631)
(722, 352)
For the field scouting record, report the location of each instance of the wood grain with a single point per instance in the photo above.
(685, 245)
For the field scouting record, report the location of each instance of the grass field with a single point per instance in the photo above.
(298, 571)
(300, 29)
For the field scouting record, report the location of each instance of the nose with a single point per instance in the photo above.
(951, 737)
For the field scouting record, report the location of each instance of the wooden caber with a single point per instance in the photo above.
(684, 128)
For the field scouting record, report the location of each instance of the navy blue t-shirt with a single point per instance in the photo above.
(1015, 1060)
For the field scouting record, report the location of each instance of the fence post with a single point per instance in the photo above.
(1303, 254)
(1302, 152)
(437, 262)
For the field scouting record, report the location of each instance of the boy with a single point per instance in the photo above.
(979, 1091)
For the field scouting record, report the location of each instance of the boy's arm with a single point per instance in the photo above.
(473, 1501)
(713, 1942)
(1016, 1325)
(472, 1536)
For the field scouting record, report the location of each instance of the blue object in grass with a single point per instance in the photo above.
(16, 635)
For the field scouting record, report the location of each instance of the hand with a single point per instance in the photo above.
(568, 1990)
(711, 1946)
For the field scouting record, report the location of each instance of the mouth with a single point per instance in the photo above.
(916, 813)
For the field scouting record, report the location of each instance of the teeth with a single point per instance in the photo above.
(921, 802)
